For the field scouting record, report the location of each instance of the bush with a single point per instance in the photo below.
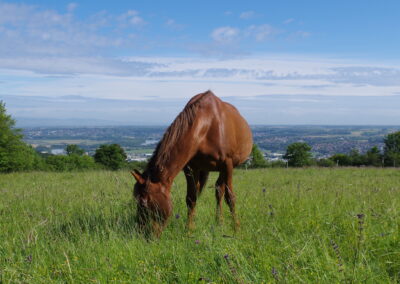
(112, 156)
(325, 163)
(73, 149)
(70, 163)
(341, 160)
(137, 165)
(257, 158)
(277, 164)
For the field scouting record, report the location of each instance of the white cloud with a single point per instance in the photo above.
(261, 32)
(172, 24)
(258, 33)
(29, 31)
(132, 17)
(288, 21)
(225, 34)
(139, 77)
(308, 89)
(302, 34)
(247, 15)
(71, 7)
(71, 66)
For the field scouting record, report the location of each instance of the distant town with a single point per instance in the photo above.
(140, 142)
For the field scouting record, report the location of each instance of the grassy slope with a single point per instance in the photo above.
(78, 227)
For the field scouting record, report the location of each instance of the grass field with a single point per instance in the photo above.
(307, 226)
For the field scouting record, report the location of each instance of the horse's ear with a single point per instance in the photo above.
(138, 176)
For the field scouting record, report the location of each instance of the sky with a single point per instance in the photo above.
(139, 62)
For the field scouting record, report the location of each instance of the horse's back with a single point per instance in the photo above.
(237, 134)
(226, 133)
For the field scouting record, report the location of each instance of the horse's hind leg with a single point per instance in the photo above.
(230, 197)
(192, 180)
(219, 195)
(203, 177)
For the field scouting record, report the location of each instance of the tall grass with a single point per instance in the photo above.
(297, 225)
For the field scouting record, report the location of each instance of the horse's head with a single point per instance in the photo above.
(153, 200)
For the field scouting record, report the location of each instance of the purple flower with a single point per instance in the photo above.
(360, 216)
(177, 216)
(275, 273)
(226, 256)
(197, 242)
(264, 189)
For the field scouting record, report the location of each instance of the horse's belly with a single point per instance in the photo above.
(205, 163)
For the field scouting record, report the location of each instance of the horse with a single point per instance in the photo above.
(208, 135)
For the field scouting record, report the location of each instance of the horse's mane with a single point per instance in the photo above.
(178, 128)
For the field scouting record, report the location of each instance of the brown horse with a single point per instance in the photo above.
(208, 135)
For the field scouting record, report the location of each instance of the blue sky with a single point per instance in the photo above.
(157, 54)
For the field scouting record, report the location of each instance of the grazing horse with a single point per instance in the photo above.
(208, 135)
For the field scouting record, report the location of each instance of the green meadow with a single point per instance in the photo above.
(308, 225)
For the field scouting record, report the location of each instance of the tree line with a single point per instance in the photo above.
(16, 155)
(299, 154)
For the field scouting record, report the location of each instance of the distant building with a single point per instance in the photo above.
(149, 142)
(58, 152)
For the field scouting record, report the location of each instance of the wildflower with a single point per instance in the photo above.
(177, 216)
(271, 213)
(197, 242)
(338, 255)
(275, 273)
(360, 222)
(264, 190)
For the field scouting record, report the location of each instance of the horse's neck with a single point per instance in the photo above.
(179, 156)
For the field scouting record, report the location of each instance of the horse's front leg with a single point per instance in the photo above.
(192, 180)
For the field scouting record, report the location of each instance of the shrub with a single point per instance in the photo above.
(112, 156)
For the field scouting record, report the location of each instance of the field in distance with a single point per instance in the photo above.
(324, 140)
(297, 226)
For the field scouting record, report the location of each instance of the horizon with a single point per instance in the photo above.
(251, 126)
(124, 63)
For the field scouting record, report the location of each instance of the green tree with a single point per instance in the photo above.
(73, 149)
(257, 158)
(341, 160)
(356, 158)
(15, 155)
(298, 154)
(374, 157)
(392, 149)
(110, 156)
